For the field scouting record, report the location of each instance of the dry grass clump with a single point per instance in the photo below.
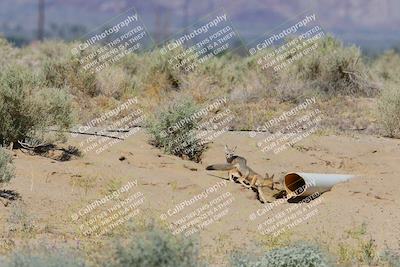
(334, 69)
(113, 82)
(386, 67)
(389, 109)
(68, 72)
(7, 53)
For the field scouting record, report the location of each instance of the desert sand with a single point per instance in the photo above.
(52, 192)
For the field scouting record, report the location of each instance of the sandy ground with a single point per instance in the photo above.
(53, 190)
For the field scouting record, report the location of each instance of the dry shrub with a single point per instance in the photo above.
(7, 53)
(113, 82)
(248, 116)
(161, 63)
(199, 87)
(68, 72)
(157, 88)
(387, 66)
(389, 110)
(334, 69)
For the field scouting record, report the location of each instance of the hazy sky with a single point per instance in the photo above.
(364, 22)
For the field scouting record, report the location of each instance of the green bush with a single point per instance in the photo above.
(27, 108)
(156, 248)
(292, 256)
(391, 257)
(389, 110)
(51, 257)
(6, 167)
(174, 128)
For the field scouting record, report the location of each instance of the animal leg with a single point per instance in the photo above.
(241, 180)
(261, 195)
(253, 181)
(230, 174)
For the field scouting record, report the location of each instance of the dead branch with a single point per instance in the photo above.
(84, 133)
(40, 147)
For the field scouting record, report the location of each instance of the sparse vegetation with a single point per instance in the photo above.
(151, 248)
(391, 257)
(332, 71)
(291, 256)
(386, 67)
(83, 182)
(44, 257)
(20, 219)
(358, 247)
(6, 167)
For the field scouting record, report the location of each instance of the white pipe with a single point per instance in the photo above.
(305, 184)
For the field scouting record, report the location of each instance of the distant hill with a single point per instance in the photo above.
(371, 24)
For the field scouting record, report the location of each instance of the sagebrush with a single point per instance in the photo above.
(304, 255)
(331, 71)
(174, 129)
(44, 257)
(29, 109)
(156, 248)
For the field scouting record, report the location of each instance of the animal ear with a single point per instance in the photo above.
(234, 149)
(226, 148)
(269, 177)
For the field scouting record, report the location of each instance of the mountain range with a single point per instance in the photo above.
(371, 24)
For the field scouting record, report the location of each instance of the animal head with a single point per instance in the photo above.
(268, 181)
(229, 153)
(267, 177)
